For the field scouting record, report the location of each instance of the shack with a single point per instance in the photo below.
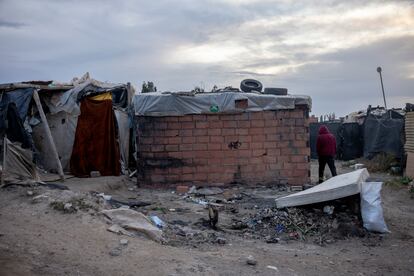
(221, 138)
(75, 127)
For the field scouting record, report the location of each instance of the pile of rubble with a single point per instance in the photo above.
(307, 224)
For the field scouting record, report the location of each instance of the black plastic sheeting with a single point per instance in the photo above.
(14, 106)
(349, 140)
(384, 134)
(119, 94)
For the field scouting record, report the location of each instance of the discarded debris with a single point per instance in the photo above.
(206, 191)
(328, 209)
(134, 221)
(115, 228)
(272, 267)
(251, 260)
(55, 186)
(213, 215)
(371, 209)
(95, 174)
(157, 221)
(123, 242)
(308, 224)
(115, 252)
(40, 198)
(336, 187)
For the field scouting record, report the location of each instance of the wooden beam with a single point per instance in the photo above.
(48, 134)
(12, 86)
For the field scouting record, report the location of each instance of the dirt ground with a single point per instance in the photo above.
(36, 239)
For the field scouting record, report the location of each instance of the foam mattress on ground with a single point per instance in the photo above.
(336, 187)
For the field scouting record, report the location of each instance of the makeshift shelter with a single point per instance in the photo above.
(384, 133)
(53, 117)
(220, 138)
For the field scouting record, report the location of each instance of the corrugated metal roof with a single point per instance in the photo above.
(409, 132)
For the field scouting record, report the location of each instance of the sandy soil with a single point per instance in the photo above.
(37, 240)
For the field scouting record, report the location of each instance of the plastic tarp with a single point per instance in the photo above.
(68, 101)
(62, 127)
(351, 142)
(19, 163)
(123, 133)
(383, 134)
(176, 104)
(14, 106)
(21, 98)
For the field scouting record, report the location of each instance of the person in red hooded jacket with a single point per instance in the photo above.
(326, 149)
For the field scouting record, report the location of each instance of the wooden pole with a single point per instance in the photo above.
(48, 134)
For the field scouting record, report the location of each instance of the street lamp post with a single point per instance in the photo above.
(379, 70)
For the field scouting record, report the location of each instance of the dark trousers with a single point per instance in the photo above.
(323, 160)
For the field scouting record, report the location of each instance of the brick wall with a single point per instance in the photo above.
(267, 147)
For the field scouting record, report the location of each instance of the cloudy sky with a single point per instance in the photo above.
(323, 48)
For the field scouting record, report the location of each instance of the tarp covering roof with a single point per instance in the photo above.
(178, 104)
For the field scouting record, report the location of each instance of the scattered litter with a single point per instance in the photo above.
(133, 173)
(328, 209)
(132, 204)
(206, 191)
(192, 190)
(95, 174)
(106, 197)
(115, 252)
(54, 186)
(134, 221)
(308, 224)
(199, 201)
(296, 188)
(29, 193)
(272, 267)
(123, 242)
(115, 228)
(157, 221)
(68, 206)
(251, 260)
(357, 166)
(40, 198)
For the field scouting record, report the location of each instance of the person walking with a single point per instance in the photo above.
(326, 149)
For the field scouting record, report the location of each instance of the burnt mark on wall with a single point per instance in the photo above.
(237, 175)
(163, 163)
(293, 148)
(234, 145)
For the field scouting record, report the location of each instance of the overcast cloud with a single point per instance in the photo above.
(326, 49)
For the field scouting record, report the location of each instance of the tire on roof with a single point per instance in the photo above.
(250, 85)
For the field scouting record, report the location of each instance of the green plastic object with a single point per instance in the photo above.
(214, 108)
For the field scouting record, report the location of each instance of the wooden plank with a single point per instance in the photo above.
(48, 134)
(409, 169)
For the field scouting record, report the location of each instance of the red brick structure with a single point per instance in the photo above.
(264, 147)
